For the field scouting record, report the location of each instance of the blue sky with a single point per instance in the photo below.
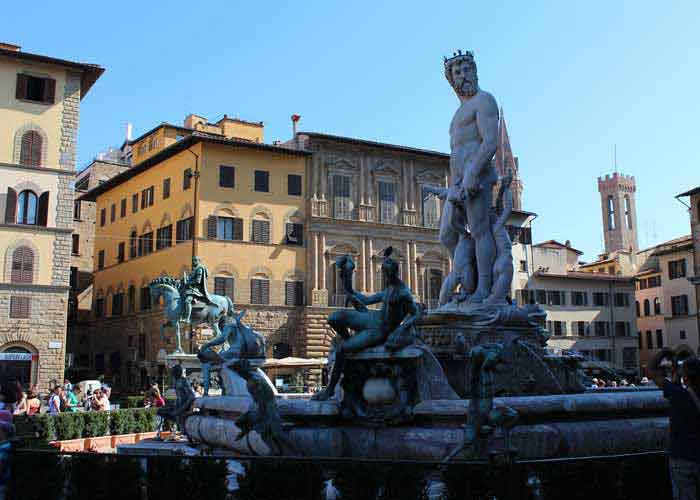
(574, 79)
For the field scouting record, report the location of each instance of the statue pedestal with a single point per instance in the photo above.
(382, 387)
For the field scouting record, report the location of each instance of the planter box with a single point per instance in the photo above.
(69, 444)
(165, 435)
(98, 443)
(140, 436)
(123, 439)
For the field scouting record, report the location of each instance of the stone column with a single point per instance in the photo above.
(404, 183)
(362, 180)
(363, 267)
(407, 253)
(412, 184)
(324, 175)
(315, 257)
(370, 261)
(323, 260)
(414, 267)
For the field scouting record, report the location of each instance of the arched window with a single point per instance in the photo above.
(647, 308)
(611, 213)
(133, 244)
(30, 149)
(636, 302)
(657, 305)
(628, 212)
(26, 207)
(22, 265)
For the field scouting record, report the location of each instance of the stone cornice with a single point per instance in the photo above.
(49, 170)
(34, 287)
(375, 229)
(38, 229)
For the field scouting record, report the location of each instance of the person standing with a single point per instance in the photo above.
(682, 391)
(55, 401)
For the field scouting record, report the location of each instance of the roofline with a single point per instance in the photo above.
(542, 243)
(176, 148)
(673, 249)
(90, 72)
(596, 262)
(585, 276)
(365, 142)
(160, 125)
(689, 193)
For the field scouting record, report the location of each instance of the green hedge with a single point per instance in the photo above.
(44, 428)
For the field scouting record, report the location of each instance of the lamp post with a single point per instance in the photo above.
(195, 216)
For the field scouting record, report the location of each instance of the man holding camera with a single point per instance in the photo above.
(682, 390)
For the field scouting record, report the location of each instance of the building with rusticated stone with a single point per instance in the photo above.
(40, 101)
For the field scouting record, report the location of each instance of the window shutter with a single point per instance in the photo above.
(212, 221)
(290, 293)
(21, 90)
(254, 291)
(49, 90)
(265, 291)
(237, 229)
(10, 206)
(266, 232)
(43, 211)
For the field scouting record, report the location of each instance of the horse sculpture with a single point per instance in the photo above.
(243, 343)
(213, 314)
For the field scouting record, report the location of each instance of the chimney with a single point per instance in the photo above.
(129, 131)
(567, 243)
(10, 46)
(295, 120)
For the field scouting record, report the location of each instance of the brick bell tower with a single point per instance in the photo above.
(619, 210)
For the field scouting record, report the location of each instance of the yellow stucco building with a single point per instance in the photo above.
(40, 101)
(245, 210)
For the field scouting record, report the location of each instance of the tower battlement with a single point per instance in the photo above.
(617, 181)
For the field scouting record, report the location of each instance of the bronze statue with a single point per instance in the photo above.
(184, 401)
(195, 288)
(390, 325)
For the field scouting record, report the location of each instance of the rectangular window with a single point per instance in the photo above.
(682, 335)
(676, 269)
(622, 299)
(187, 179)
(654, 281)
(75, 249)
(103, 216)
(622, 329)
(262, 181)
(295, 234)
(122, 208)
(659, 339)
(523, 266)
(34, 88)
(164, 237)
(113, 213)
(73, 280)
(579, 298)
(294, 293)
(541, 296)
(183, 230)
(120, 252)
(556, 298)
(166, 188)
(146, 243)
(117, 304)
(261, 231)
(145, 298)
(430, 208)
(294, 185)
(20, 307)
(223, 286)
(600, 299)
(342, 203)
(101, 259)
(229, 228)
(227, 176)
(601, 328)
(629, 358)
(580, 328)
(134, 203)
(76, 210)
(387, 202)
(99, 308)
(650, 342)
(557, 328)
(679, 305)
(259, 291)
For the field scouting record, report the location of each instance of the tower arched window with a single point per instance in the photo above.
(27, 207)
(628, 212)
(647, 307)
(22, 265)
(611, 213)
(657, 305)
(30, 149)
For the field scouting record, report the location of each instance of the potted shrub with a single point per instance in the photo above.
(122, 427)
(97, 430)
(145, 423)
(69, 431)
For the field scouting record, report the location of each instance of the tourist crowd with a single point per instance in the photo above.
(601, 383)
(62, 398)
